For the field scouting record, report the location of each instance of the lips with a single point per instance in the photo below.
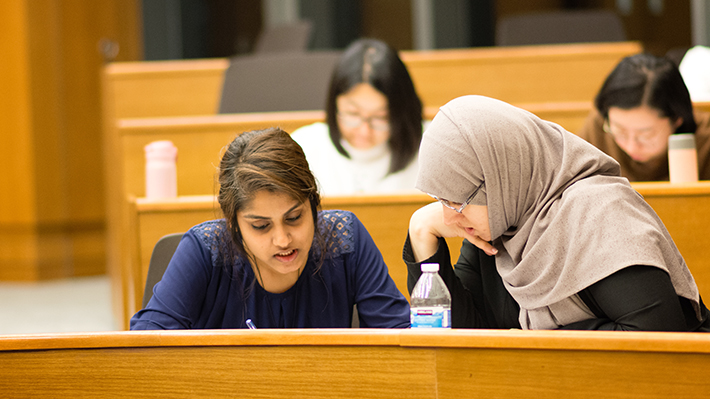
(287, 256)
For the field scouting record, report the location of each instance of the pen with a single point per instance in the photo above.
(250, 324)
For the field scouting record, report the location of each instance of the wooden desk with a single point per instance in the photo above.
(356, 363)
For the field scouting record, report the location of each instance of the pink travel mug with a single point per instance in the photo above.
(160, 170)
(682, 158)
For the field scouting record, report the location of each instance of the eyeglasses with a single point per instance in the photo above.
(644, 139)
(450, 205)
(381, 123)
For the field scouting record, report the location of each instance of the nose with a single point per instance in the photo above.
(281, 237)
(365, 127)
(450, 216)
(632, 148)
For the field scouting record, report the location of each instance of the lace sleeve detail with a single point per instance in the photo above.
(338, 229)
(215, 236)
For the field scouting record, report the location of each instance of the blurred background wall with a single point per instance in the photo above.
(51, 186)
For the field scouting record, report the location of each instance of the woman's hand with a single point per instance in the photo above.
(427, 225)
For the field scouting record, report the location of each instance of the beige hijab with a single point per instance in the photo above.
(560, 215)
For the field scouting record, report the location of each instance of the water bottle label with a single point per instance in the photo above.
(430, 317)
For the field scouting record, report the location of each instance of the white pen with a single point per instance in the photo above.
(250, 324)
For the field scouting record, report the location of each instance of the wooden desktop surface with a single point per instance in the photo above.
(363, 363)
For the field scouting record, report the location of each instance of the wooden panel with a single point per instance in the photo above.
(16, 205)
(685, 211)
(368, 363)
(165, 88)
(526, 74)
(51, 185)
(214, 372)
(549, 374)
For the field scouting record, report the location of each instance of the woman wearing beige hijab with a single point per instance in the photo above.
(554, 237)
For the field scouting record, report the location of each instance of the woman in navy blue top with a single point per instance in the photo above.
(275, 258)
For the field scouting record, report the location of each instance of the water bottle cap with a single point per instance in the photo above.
(430, 267)
(681, 141)
(162, 149)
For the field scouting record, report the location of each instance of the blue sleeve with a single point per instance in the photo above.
(177, 298)
(380, 304)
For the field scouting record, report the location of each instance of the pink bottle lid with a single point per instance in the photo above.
(163, 149)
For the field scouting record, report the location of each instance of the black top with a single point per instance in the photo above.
(638, 298)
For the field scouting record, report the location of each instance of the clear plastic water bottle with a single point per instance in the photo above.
(430, 300)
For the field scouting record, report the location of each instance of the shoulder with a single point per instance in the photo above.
(210, 231)
(341, 230)
(214, 237)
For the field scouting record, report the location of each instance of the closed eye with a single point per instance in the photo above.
(293, 219)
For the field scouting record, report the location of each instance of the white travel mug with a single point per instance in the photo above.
(682, 158)
(160, 170)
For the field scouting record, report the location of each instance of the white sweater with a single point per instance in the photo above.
(363, 173)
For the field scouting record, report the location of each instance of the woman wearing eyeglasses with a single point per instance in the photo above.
(554, 237)
(374, 125)
(642, 102)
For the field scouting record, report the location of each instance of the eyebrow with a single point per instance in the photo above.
(258, 217)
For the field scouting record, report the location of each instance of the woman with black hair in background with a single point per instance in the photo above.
(374, 125)
(642, 102)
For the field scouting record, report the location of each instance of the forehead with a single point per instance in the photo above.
(269, 204)
(363, 96)
(639, 116)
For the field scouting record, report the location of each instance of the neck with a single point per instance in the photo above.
(273, 282)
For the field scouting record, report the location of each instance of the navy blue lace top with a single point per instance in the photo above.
(198, 291)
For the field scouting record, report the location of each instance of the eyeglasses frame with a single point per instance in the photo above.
(447, 203)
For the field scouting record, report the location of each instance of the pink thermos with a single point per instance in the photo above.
(682, 158)
(160, 170)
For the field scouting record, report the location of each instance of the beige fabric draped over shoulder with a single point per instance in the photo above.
(560, 215)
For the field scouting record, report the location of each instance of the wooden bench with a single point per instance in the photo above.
(385, 217)
(525, 74)
(363, 363)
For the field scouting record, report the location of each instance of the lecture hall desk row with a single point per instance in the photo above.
(199, 141)
(520, 75)
(683, 208)
(361, 363)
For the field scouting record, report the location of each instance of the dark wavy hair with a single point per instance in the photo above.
(268, 160)
(376, 63)
(644, 79)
